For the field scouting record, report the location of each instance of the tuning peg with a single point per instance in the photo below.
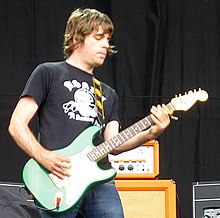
(174, 117)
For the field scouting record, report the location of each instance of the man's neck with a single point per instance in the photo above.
(77, 63)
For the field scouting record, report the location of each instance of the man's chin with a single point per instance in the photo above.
(99, 63)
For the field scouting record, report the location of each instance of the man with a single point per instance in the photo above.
(62, 94)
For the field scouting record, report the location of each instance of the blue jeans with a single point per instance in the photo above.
(102, 201)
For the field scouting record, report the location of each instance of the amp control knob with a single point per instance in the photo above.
(130, 167)
(121, 167)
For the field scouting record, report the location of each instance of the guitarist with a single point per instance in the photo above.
(62, 95)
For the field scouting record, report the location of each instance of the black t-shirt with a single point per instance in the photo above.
(65, 96)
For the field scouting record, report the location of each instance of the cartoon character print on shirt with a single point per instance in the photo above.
(82, 107)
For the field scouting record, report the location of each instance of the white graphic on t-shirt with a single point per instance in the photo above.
(70, 85)
(82, 106)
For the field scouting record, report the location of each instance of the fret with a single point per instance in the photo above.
(135, 129)
(146, 122)
(139, 127)
(92, 156)
(131, 130)
(149, 120)
(108, 146)
(89, 156)
(97, 153)
(116, 141)
(143, 124)
(120, 138)
(112, 143)
(125, 134)
(102, 149)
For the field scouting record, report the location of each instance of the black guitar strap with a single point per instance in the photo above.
(98, 101)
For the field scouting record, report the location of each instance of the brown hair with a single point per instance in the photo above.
(81, 23)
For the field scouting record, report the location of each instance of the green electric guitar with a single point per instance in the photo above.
(58, 195)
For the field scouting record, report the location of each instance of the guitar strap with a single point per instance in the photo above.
(98, 101)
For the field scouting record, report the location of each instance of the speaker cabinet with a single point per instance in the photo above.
(206, 199)
(148, 198)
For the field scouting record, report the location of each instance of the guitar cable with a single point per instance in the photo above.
(80, 213)
(49, 210)
(58, 200)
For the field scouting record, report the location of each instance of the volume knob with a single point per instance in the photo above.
(121, 167)
(130, 167)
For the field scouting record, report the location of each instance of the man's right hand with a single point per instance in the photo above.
(56, 163)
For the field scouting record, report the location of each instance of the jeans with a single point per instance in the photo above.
(102, 201)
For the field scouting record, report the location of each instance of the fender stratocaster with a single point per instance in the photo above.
(59, 195)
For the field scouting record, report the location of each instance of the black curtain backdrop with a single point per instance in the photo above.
(164, 48)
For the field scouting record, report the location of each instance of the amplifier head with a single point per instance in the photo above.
(141, 162)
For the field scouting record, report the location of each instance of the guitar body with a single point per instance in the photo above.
(47, 188)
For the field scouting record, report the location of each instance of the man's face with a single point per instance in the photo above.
(94, 49)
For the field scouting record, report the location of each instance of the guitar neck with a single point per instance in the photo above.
(106, 147)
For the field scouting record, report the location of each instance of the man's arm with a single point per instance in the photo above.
(21, 133)
(160, 119)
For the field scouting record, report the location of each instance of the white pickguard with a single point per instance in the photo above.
(83, 172)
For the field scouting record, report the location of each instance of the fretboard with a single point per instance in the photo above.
(106, 147)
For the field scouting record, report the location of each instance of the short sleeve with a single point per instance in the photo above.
(38, 84)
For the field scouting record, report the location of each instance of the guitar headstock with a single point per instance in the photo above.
(186, 101)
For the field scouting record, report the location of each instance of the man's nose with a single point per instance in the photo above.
(105, 43)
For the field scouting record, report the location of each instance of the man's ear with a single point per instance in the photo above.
(74, 40)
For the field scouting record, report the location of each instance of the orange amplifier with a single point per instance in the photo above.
(147, 198)
(139, 163)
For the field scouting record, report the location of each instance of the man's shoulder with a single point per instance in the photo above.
(107, 87)
(108, 90)
(57, 64)
(50, 67)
